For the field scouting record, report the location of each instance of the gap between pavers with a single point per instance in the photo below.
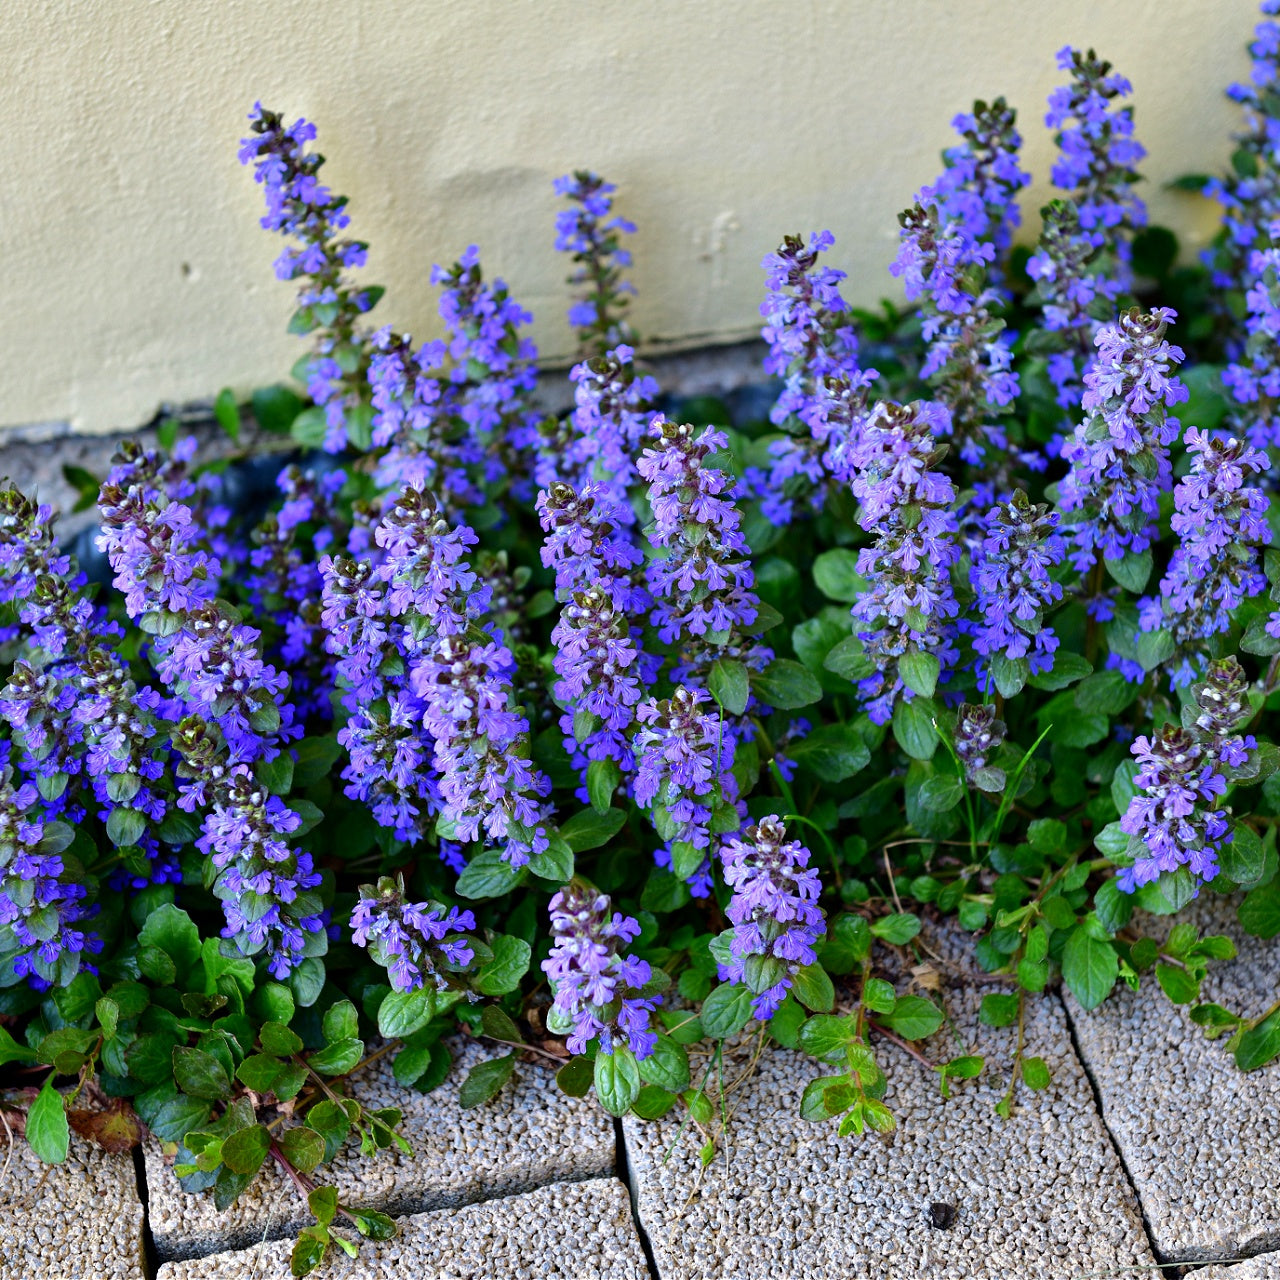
(79, 1220)
(1197, 1135)
(530, 1135)
(565, 1231)
(1042, 1195)
(1263, 1267)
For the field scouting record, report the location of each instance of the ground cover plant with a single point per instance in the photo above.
(610, 736)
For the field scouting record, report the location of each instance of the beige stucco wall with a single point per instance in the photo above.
(134, 270)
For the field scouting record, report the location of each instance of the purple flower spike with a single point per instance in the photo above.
(1221, 520)
(703, 582)
(1011, 573)
(1175, 821)
(774, 911)
(598, 990)
(592, 234)
(420, 944)
(969, 359)
(301, 207)
(909, 605)
(684, 774)
(1119, 455)
(811, 343)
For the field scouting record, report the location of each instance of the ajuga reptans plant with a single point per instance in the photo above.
(628, 740)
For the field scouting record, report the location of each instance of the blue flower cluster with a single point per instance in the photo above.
(599, 992)
(774, 911)
(300, 206)
(909, 606)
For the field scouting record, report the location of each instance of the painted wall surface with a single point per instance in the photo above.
(134, 270)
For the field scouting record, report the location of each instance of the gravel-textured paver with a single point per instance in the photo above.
(1197, 1135)
(81, 1220)
(1040, 1195)
(530, 1135)
(568, 1231)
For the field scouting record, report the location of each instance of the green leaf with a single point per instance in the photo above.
(275, 408)
(510, 963)
(259, 1071)
(276, 775)
(1154, 648)
(835, 574)
(832, 752)
(726, 1010)
(47, 1130)
(588, 829)
(849, 659)
(278, 1039)
(652, 1103)
(555, 862)
(813, 1102)
(879, 996)
(316, 758)
(1090, 967)
(1132, 571)
(827, 1037)
(1112, 906)
(897, 929)
(172, 930)
(12, 1051)
(485, 1080)
(1259, 915)
(576, 1076)
(227, 413)
(323, 1203)
(1066, 670)
(1180, 986)
(941, 792)
(1010, 674)
(125, 826)
(667, 1066)
(308, 1249)
(913, 729)
(1257, 1046)
(200, 1074)
(919, 672)
(178, 1117)
(246, 1149)
(786, 685)
(813, 988)
(498, 1025)
(1167, 894)
(488, 875)
(340, 1022)
(404, 1012)
(302, 1147)
(913, 1018)
(1035, 1073)
(603, 777)
(338, 1058)
(998, 1009)
(1242, 858)
(617, 1079)
(729, 685)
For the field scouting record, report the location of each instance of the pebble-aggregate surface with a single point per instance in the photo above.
(530, 1135)
(566, 1231)
(1042, 1195)
(1197, 1135)
(80, 1220)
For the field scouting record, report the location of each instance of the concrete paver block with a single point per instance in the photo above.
(566, 1231)
(1196, 1133)
(530, 1135)
(1040, 1195)
(80, 1220)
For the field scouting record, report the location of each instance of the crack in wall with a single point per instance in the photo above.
(633, 1194)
